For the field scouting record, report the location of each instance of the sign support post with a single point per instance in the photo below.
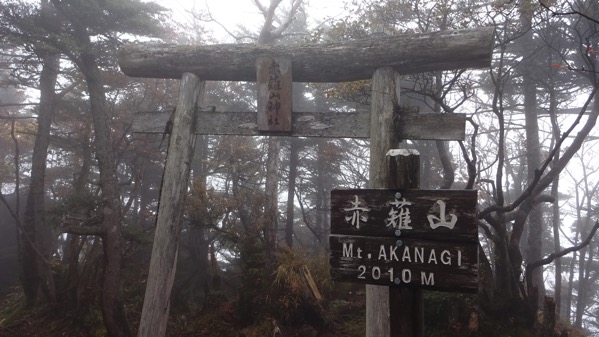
(383, 317)
(405, 305)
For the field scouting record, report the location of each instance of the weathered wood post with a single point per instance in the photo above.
(385, 93)
(154, 315)
(380, 299)
(406, 306)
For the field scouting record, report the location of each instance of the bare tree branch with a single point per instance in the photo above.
(60, 95)
(551, 257)
(269, 33)
(13, 118)
(83, 230)
(3, 105)
(212, 19)
(541, 181)
(277, 33)
(448, 170)
(487, 231)
(471, 162)
(305, 218)
(572, 12)
(261, 7)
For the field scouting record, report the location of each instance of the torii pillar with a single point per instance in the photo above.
(331, 62)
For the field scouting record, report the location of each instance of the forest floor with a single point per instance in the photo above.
(28, 325)
(18, 321)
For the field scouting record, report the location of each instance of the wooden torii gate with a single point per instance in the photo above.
(275, 67)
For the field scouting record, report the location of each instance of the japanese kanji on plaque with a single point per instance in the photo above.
(274, 80)
(417, 238)
(423, 214)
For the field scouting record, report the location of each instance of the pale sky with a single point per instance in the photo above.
(233, 13)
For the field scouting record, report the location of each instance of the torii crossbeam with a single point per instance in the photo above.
(327, 62)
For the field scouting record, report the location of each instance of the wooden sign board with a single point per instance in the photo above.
(433, 265)
(440, 215)
(274, 80)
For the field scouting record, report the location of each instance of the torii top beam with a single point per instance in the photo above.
(329, 62)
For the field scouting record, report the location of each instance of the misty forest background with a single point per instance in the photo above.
(79, 190)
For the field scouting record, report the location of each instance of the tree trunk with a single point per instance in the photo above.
(271, 223)
(592, 63)
(578, 235)
(112, 306)
(443, 151)
(569, 293)
(549, 318)
(534, 250)
(37, 251)
(556, 220)
(37, 273)
(556, 223)
(294, 147)
(76, 242)
(504, 279)
(585, 224)
(581, 289)
(323, 191)
(198, 242)
(320, 191)
(152, 176)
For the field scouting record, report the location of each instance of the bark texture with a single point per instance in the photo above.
(161, 276)
(112, 306)
(36, 249)
(294, 148)
(86, 60)
(385, 95)
(36, 272)
(331, 62)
